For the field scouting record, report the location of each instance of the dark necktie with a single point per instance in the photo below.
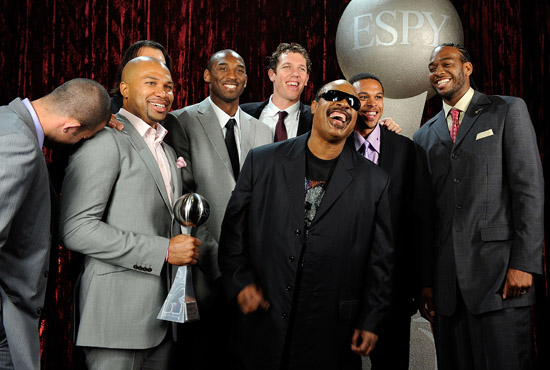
(455, 113)
(280, 129)
(232, 146)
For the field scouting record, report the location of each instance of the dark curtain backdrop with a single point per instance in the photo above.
(46, 43)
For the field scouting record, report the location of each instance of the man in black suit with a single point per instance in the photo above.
(481, 177)
(306, 249)
(289, 68)
(395, 155)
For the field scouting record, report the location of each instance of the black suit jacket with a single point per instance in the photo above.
(304, 122)
(345, 281)
(397, 156)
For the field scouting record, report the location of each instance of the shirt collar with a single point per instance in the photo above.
(373, 139)
(273, 110)
(35, 121)
(143, 128)
(222, 116)
(462, 105)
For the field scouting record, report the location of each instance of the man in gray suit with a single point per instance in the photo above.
(77, 109)
(214, 154)
(480, 183)
(116, 209)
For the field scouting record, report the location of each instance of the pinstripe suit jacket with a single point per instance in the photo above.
(25, 213)
(487, 194)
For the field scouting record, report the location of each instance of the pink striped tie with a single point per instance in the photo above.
(454, 125)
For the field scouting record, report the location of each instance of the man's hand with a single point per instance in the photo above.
(390, 125)
(517, 282)
(183, 250)
(363, 342)
(251, 298)
(427, 304)
(114, 123)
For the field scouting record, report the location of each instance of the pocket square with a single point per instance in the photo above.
(484, 134)
(180, 162)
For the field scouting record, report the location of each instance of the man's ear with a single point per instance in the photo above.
(314, 105)
(271, 73)
(123, 87)
(468, 68)
(206, 75)
(70, 123)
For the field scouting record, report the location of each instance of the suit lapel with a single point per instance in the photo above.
(340, 180)
(471, 115)
(145, 153)
(209, 121)
(442, 130)
(248, 132)
(294, 170)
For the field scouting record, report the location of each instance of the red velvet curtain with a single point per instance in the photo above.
(46, 43)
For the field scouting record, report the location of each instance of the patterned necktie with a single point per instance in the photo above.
(454, 125)
(232, 146)
(280, 129)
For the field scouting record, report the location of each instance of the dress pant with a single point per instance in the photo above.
(156, 358)
(5, 357)
(497, 340)
(392, 349)
(206, 344)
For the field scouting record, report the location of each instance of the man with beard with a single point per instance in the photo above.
(214, 137)
(116, 209)
(395, 155)
(306, 248)
(481, 195)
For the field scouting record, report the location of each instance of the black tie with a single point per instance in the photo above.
(232, 146)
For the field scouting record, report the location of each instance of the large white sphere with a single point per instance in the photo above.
(393, 39)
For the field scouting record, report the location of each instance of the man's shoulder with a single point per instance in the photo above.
(177, 113)
(254, 108)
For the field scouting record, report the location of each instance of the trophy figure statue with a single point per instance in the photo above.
(191, 210)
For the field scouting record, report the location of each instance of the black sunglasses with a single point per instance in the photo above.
(337, 95)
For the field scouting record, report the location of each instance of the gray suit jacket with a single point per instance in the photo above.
(196, 135)
(115, 211)
(487, 195)
(25, 215)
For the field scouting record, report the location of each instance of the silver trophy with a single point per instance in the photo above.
(180, 305)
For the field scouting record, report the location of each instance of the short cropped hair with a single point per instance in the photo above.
(131, 53)
(365, 76)
(288, 48)
(83, 99)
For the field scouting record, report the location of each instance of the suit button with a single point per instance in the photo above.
(149, 269)
(136, 267)
(297, 232)
(291, 258)
(288, 288)
(46, 273)
(454, 156)
(458, 206)
(284, 315)
(456, 181)
(39, 310)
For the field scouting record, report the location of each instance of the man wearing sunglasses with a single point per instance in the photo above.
(304, 229)
(394, 154)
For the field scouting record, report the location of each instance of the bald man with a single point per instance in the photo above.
(118, 213)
